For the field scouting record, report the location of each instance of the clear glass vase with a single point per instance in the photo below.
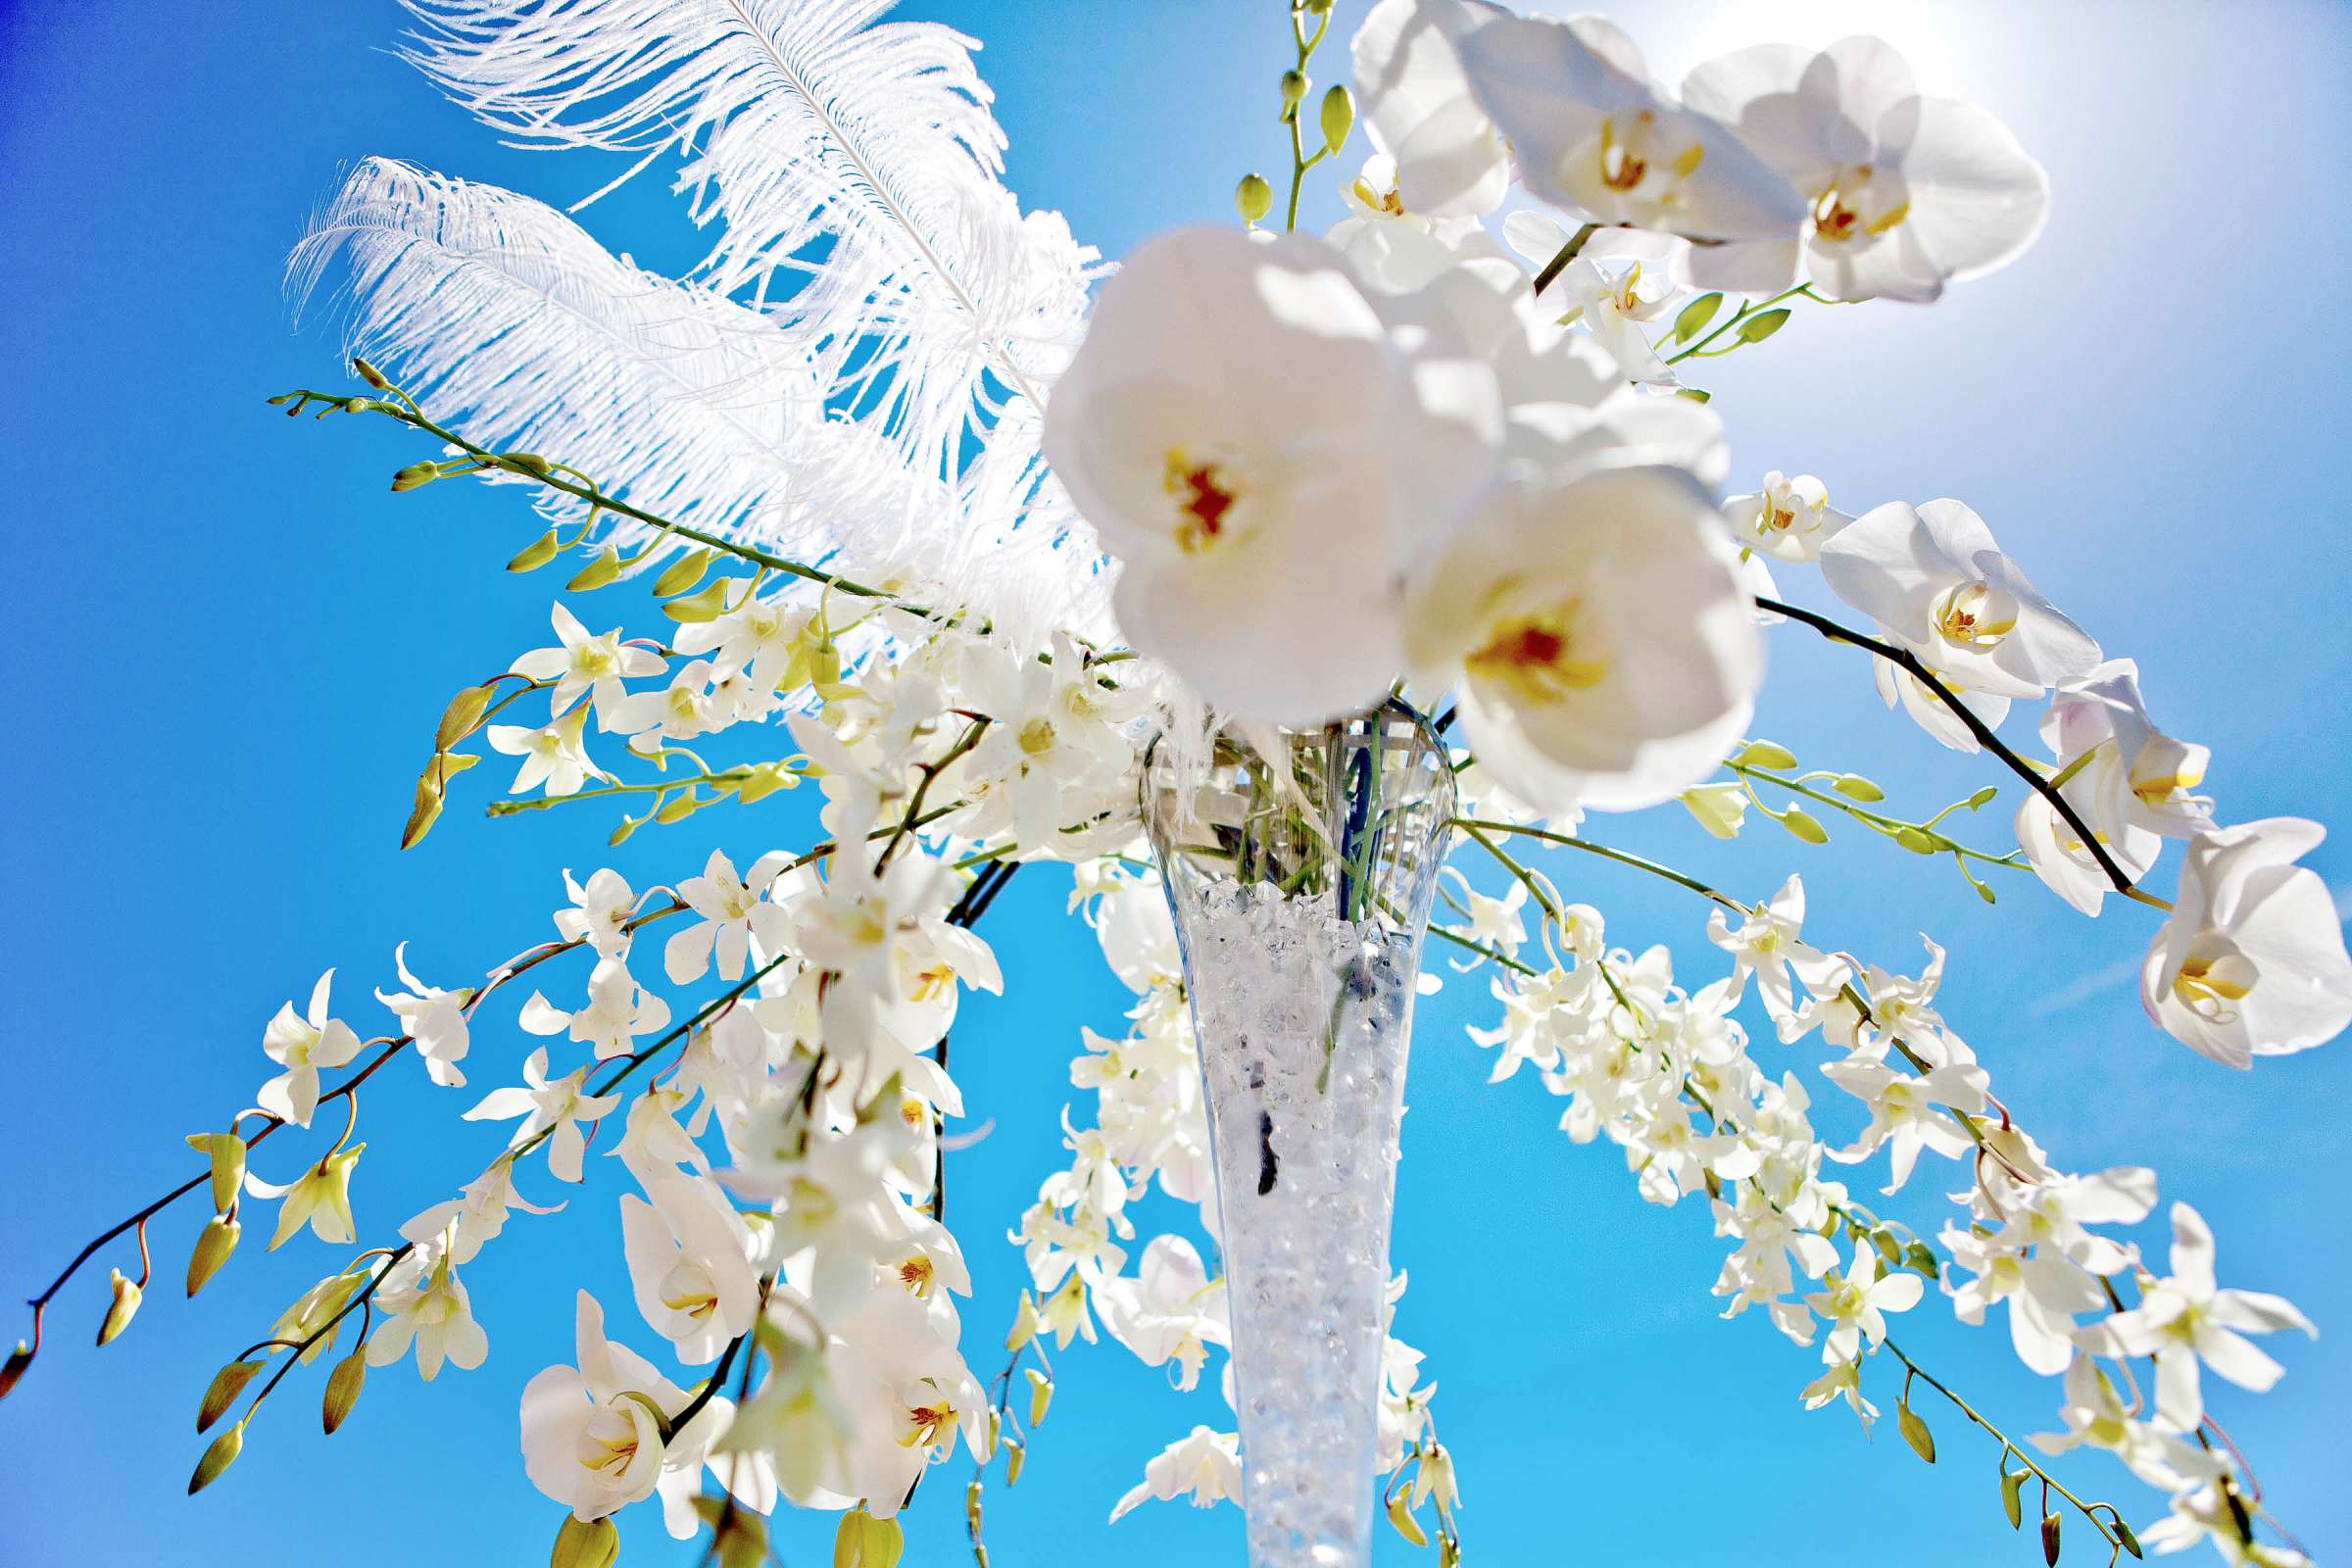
(1299, 872)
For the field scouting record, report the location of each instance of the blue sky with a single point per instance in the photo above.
(229, 643)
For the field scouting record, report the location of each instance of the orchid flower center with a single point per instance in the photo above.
(687, 1289)
(1974, 615)
(916, 1273)
(1037, 737)
(926, 1417)
(1387, 201)
(593, 660)
(1538, 656)
(2214, 975)
(2166, 768)
(1787, 508)
(1636, 157)
(1205, 497)
(1862, 203)
(935, 980)
(608, 1443)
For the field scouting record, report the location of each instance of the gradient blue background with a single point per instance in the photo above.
(227, 645)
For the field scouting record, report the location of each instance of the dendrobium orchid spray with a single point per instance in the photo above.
(1268, 585)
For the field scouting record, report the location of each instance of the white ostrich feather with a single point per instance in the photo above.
(522, 332)
(849, 166)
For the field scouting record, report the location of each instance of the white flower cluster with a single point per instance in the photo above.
(1666, 1074)
(785, 1154)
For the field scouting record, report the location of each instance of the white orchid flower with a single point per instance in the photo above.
(1238, 424)
(581, 666)
(1908, 192)
(1938, 585)
(1605, 651)
(303, 1044)
(433, 1018)
(2186, 1318)
(1445, 159)
(1788, 520)
(688, 1257)
(2251, 962)
(1593, 134)
(1203, 1466)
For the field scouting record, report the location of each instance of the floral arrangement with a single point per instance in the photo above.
(991, 532)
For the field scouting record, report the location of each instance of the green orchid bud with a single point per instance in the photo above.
(1761, 325)
(698, 608)
(1252, 198)
(343, 1389)
(1695, 315)
(1295, 85)
(415, 476)
(458, 720)
(222, 1392)
(1337, 118)
(537, 466)
(592, 1545)
(121, 1309)
(865, 1541)
(1025, 1323)
(2049, 1538)
(214, 1244)
(226, 1151)
(1766, 754)
(1804, 826)
(424, 813)
(604, 569)
(682, 573)
(371, 375)
(538, 552)
(217, 1458)
(1915, 1430)
(1041, 1396)
(1402, 1520)
(1016, 1454)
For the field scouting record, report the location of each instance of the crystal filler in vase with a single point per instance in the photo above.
(1300, 871)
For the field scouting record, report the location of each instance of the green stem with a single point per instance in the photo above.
(1889, 826)
(2086, 1509)
(1478, 828)
(1306, 43)
(1567, 253)
(553, 476)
